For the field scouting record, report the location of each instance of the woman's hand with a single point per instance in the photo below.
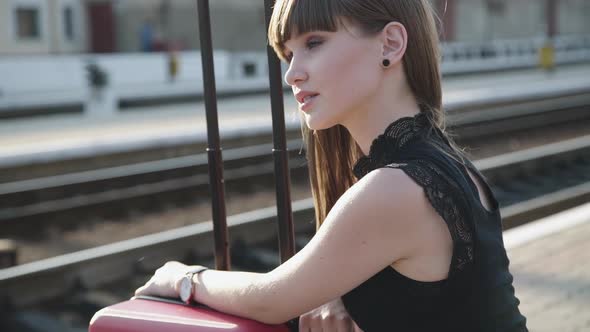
(330, 317)
(166, 280)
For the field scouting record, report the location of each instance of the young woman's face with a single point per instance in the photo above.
(341, 67)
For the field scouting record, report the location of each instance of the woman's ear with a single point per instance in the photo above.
(394, 39)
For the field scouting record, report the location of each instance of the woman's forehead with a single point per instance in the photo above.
(297, 28)
(294, 34)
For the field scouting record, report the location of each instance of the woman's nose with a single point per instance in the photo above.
(294, 74)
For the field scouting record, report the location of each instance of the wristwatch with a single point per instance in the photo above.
(187, 285)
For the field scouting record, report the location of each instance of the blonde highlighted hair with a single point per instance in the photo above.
(332, 152)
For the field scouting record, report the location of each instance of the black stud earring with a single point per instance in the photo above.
(386, 62)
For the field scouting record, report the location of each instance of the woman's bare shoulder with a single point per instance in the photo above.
(387, 184)
(397, 201)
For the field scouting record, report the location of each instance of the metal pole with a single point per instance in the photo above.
(222, 258)
(551, 8)
(547, 52)
(280, 151)
(447, 10)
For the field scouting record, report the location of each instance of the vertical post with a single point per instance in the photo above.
(222, 258)
(447, 12)
(102, 27)
(280, 151)
(547, 52)
(551, 10)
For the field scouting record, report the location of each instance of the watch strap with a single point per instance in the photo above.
(190, 274)
(196, 270)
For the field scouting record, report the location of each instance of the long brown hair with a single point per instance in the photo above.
(331, 153)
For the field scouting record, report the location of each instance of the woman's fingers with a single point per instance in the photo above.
(312, 322)
(330, 317)
(165, 281)
(344, 324)
(304, 323)
(356, 328)
(140, 290)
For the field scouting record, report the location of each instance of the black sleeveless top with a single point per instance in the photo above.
(478, 294)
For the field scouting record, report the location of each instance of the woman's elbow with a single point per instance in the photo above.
(266, 305)
(272, 318)
(270, 313)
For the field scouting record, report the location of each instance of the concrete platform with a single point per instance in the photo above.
(38, 140)
(550, 261)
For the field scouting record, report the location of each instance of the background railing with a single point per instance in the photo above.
(280, 151)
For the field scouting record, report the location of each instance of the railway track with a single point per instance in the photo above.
(529, 184)
(116, 191)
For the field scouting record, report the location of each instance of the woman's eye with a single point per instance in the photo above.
(312, 43)
(309, 45)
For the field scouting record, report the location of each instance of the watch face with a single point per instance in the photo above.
(185, 289)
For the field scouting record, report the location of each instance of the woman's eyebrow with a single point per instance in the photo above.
(291, 40)
(298, 37)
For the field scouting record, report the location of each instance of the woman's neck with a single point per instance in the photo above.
(368, 123)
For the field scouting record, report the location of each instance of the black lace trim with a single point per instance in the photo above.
(386, 147)
(450, 203)
(443, 192)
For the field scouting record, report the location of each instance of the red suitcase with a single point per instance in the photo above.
(151, 314)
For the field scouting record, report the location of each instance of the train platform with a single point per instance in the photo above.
(62, 137)
(550, 261)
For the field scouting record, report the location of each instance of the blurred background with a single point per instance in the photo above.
(128, 26)
(103, 145)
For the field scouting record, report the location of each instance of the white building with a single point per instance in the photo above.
(482, 20)
(104, 26)
(42, 27)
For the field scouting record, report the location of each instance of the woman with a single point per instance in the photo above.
(410, 236)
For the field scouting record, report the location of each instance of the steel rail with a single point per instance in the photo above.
(241, 165)
(521, 201)
(496, 101)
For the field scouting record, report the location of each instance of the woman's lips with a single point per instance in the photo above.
(308, 102)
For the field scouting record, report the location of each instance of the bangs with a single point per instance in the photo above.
(296, 17)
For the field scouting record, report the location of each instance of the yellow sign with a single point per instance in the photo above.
(547, 56)
(173, 64)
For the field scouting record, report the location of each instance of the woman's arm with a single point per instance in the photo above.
(229, 291)
(375, 223)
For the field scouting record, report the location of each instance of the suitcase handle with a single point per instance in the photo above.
(293, 324)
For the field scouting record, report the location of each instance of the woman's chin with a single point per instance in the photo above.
(314, 122)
